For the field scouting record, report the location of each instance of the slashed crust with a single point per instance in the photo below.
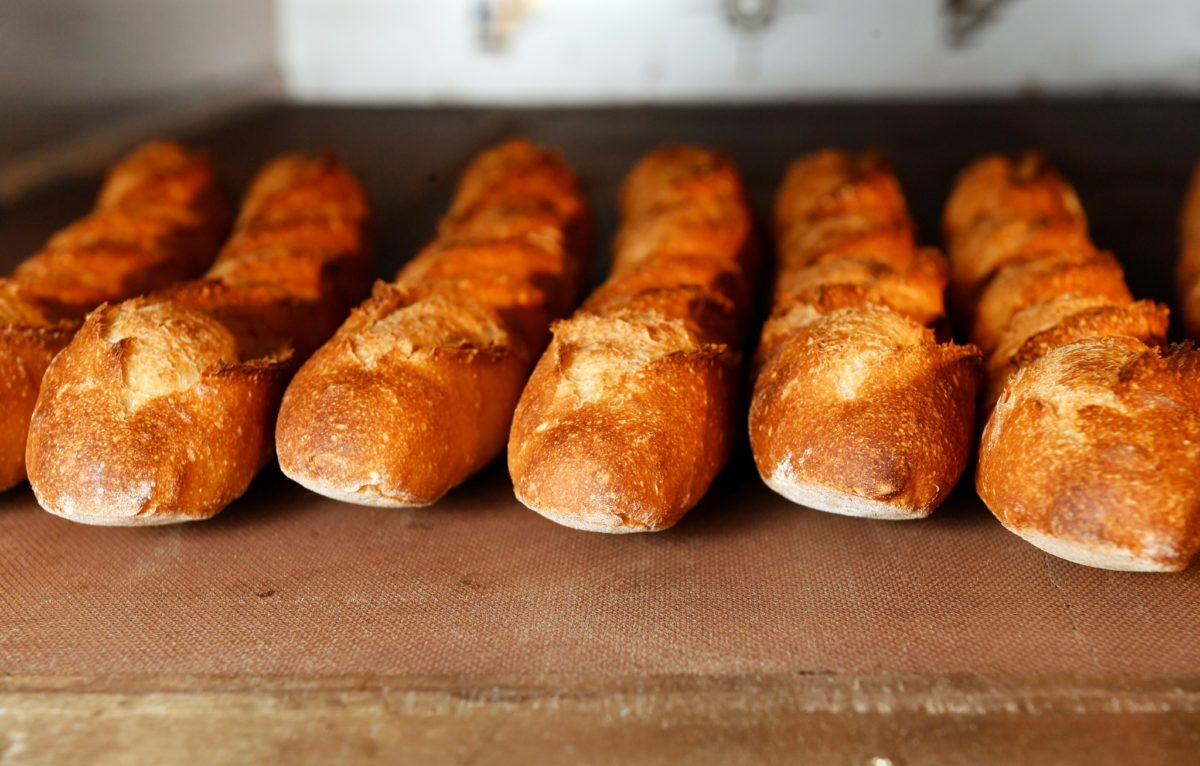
(630, 413)
(416, 391)
(857, 408)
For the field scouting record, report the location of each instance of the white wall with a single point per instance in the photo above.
(75, 53)
(634, 50)
(81, 80)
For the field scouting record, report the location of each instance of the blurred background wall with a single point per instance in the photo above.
(80, 78)
(645, 50)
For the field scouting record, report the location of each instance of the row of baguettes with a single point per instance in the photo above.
(162, 408)
(1092, 447)
(857, 407)
(632, 411)
(159, 219)
(416, 391)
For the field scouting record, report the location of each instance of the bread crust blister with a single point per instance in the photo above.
(1090, 448)
(857, 407)
(631, 412)
(162, 408)
(416, 390)
(158, 219)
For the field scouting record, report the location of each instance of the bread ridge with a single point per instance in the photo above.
(158, 218)
(857, 408)
(1090, 422)
(162, 408)
(415, 392)
(631, 411)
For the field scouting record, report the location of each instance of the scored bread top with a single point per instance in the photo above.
(416, 390)
(857, 407)
(1025, 274)
(629, 413)
(161, 409)
(158, 219)
(1091, 427)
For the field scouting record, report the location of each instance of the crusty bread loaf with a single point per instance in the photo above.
(1092, 454)
(159, 219)
(162, 408)
(416, 391)
(1091, 450)
(857, 408)
(1187, 276)
(631, 412)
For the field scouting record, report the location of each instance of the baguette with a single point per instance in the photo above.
(857, 408)
(630, 413)
(416, 391)
(159, 219)
(1187, 275)
(1092, 445)
(161, 409)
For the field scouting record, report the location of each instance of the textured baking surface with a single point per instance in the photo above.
(287, 583)
(755, 628)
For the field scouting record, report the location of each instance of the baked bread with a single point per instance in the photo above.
(631, 412)
(857, 407)
(416, 391)
(1187, 276)
(159, 219)
(1090, 452)
(162, 408)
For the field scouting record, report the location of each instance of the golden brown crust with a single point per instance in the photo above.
(1025, 283)
(857, 409)
(1092, 434)
(104, 450)
(158, 219)
(416, 391)
(629, 415)
(1092, 453)
(162, 408)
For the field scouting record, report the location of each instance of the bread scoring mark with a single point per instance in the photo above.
(598, 353)
(425, 325)
(165, 348)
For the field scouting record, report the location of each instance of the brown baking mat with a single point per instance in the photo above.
(287, 584)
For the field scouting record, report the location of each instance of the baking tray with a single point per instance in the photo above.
(477, 631)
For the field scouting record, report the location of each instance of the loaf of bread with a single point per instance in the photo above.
(162, 408)
(159, 219)
(1187, 277)
(416, 391)
(857, 406)
(1093, 441)
(632, 410)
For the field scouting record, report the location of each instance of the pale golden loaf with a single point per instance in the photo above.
(158, 219)
(632, 410)
(857, 407)
(162, 408)
(1089, 451)
(416, 391)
